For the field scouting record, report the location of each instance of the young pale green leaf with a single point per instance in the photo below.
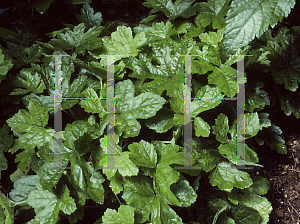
(7, 211)
(212, 38)
(123, 160)
(47, 205)
(201, 127)
(130, 108)
(157, 32)
(87, 16)
(181, 8)
(22, 187)
(125, 214)
(226, 176)
(28, 82)
(123, 43)
(31, 123)
(169, 75)
(247, 19)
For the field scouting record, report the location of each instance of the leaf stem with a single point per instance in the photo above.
(20, 202)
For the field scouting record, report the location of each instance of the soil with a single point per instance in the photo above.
(283, 173)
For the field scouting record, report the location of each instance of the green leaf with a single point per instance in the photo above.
(41, 6)
(86, 179)
(270, 136)
(125, 214)
(143, 154)
(6, 140)
(226, 176)
(7, 211)
(123, 160)
(226, 79)
(93, 105)
(122, 42)
(47, 101)
(284, 50)
(24, 56)
(87, 16)
(184, 192)
(181, 8)
(5, 65)
(201, 127)
(49, 173)
(47, 205)
(213, 11)
(212, 95)
(78, 39)
(169, 74)
(256, 97)
(161, 122)
(32, 123)
(22, 187)
(289, 103)
(29, 82)
(221, 128)
(245, 215)
(247, 19)
(207, 159)
(260, 185)
(139, 193)
(254, 201)
(129, 108)
(157, 32)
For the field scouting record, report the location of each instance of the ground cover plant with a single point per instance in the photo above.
(149, 114)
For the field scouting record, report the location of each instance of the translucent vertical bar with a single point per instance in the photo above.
(57, 114)
(188, 156)
(110, 112)
(240, 163)
(187, 113)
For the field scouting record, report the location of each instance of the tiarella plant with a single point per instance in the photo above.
(149, 114)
